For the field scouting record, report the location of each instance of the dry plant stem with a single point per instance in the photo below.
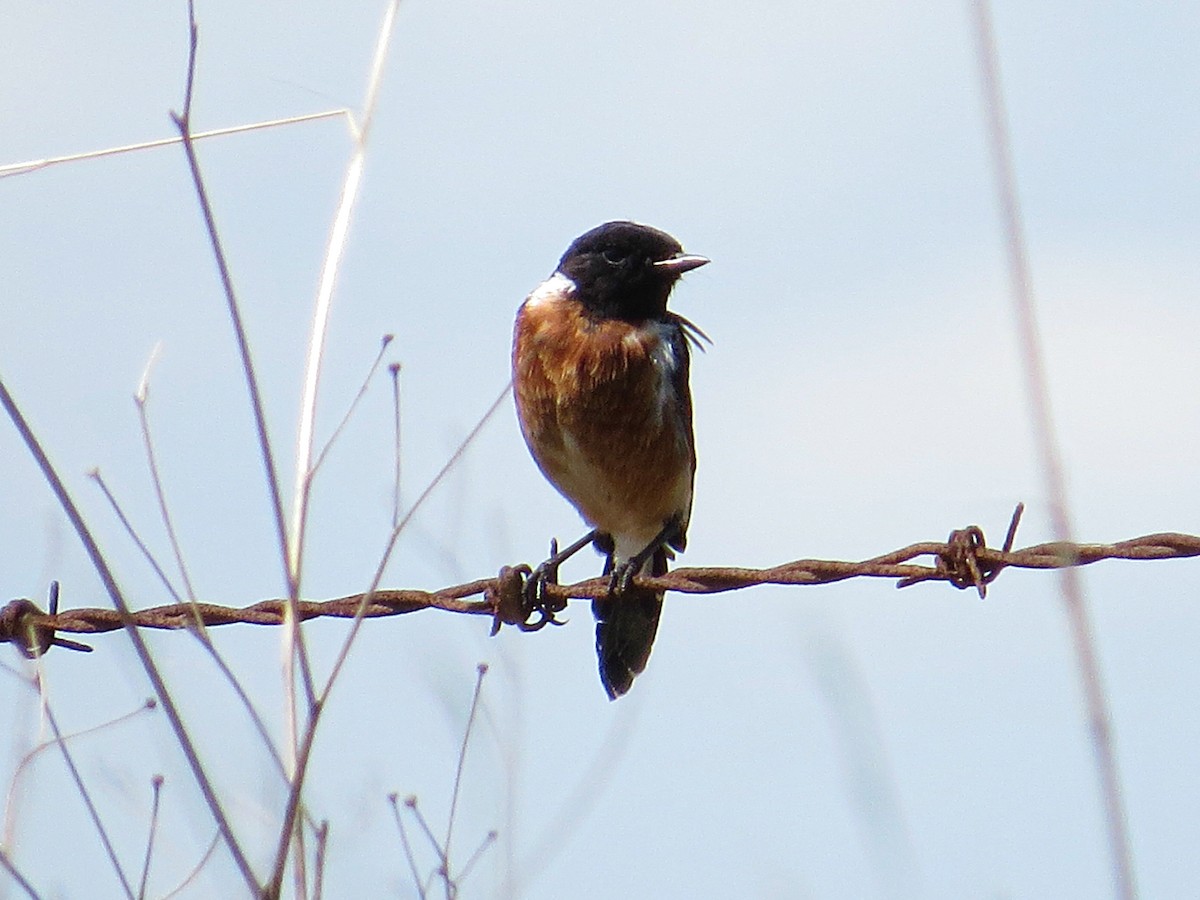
(361, 605)
(84, 794)
(139, 645)
(290, 828)
(119, 512)
(296, 649)
(316, 346)
(200, 631)
(319, 864)
(407, 845)
(299, 851)
(196, 870)
(20, 879)
(387, 339)
(35, 165)
(350, 410)
(141, 399)
(1036, 387)
(156, 786)
(29, 758)
(335, 250)
(360, 612)
(481, 670)
(294, 545)
(394, 369)
(411, 803)
(21, 713)
(488, 840)
(183, 123)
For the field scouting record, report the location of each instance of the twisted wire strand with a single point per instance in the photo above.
(964, 560)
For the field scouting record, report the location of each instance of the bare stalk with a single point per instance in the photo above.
(394, 369)
(85, 795)
(36, 165)
(407, 845)
(335, 250)
(183, 124)
(200, 631)
(462, 759)
(156, 785)
(1021, 286)
(20, 879)
(32, 756)
(350, 410)
(196, 870)
(141, 399)
(142, 652)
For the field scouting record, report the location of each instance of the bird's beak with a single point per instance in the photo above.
(680, 263)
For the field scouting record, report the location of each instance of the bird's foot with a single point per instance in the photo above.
(621, 577)
(538, 601)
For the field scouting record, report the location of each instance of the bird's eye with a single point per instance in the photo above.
(613, 257)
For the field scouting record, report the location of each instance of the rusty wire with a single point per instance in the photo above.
(964, 560)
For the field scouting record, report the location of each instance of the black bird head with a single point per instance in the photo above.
(623, 270)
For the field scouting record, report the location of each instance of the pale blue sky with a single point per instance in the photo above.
(863, 392)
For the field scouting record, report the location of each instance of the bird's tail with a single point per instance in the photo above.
(626, 623)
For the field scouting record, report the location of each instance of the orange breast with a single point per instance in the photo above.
(601, 416)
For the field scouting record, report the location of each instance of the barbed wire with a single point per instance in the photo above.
(964, 560)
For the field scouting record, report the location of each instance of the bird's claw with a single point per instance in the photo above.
(621, 578)
(539, 601)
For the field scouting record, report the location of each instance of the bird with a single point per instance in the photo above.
(600, 381)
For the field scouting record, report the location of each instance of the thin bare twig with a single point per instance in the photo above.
(125, 620)
(335, 250)
(142, 399)
(319, 862)
(305, 469)
(1021, 286)
(394, 370)
(297, 651)
(407, 845)
(34, 165)
(22, 624)
(156, 784)
(292, 612)
(488, 840)
(197, 869)
(198, 627)
(481, 670)
(183, 124)
(349, 414)
(294, 544)
(290, 824)
(97, 476)
(29, 758)
(365, 600)
(411, 803)
(7, 865)
(86, 796)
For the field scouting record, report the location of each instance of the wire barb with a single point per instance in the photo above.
(23, 623)
(961, 565)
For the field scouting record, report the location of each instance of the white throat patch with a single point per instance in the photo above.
(553, 287)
